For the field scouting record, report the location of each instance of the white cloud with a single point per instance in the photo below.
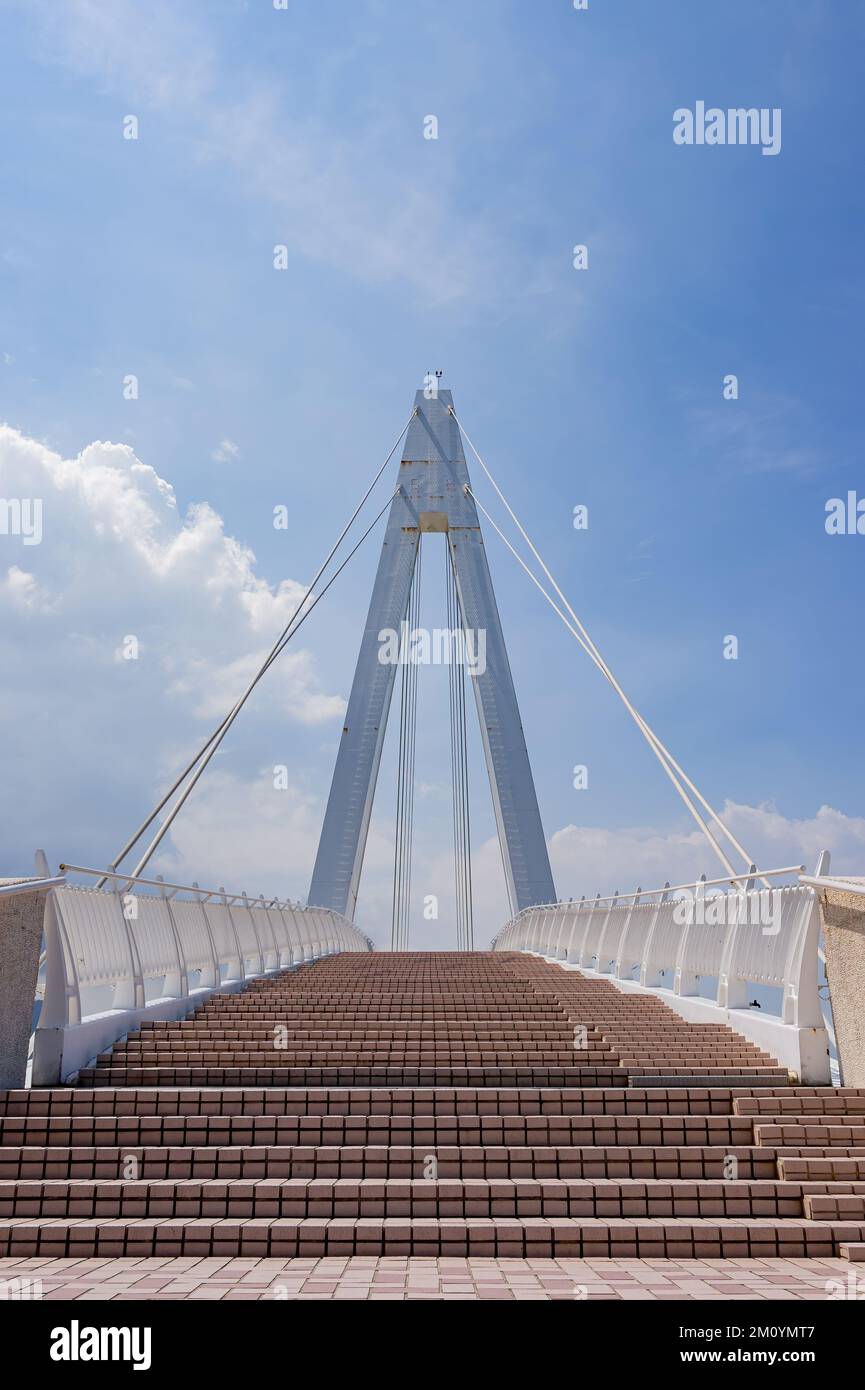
(590, 859)
(22, 592)
(269, 837)
(117, 560)
(245, 834)
(585, 860)
(214, 688)
(262, 832)
(226, 452)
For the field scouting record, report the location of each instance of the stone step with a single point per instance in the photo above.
(828, 1167)
(432, 1105)
(300, 1198)
(799, 1101)
(520, 1238)
(708, 1099)
(401, 1161)
(620, 1131)
(352, 1076)
(835, 1207)
(808, 1133)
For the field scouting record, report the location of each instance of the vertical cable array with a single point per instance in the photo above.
(399, 933)
(459, 759)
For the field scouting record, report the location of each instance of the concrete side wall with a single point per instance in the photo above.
(60, 1053)
(20, 942)
(844, 937)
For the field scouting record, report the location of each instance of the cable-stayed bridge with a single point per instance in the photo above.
(599, 1083)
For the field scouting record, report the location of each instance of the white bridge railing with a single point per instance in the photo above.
(671, 941)
(155, 954)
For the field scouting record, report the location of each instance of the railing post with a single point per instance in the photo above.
(733, 991)
(214, 979)
(176, 986)
(274, 954)
(276, 920)
(801, 1005)
(327, 927)
(646, 954)
(129, 993)
(306, 930)
(576, 955)
(241, 958)
(297, 955)
(685, 981)
(585, 960)
(564, 954)
(621, 970)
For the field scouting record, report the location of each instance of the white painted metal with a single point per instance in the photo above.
(31, 885)
(161, 955)
(740, 938)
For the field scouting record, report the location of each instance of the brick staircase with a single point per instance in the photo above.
(432, 1104)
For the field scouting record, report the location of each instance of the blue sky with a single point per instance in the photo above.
(304, 127)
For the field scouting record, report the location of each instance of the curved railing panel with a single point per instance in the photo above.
(192, 926)
(97, 938)
(153, 932)
(757, 936)
(96, 933)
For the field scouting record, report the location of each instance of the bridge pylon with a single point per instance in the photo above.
(431, 497)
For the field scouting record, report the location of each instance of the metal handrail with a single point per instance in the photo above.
(176, 887)
(673, 888)
(31, 885)
(841, 885)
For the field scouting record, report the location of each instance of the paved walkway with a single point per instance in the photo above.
(443, 1278)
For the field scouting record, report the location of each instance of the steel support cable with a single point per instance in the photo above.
(412, 748)
(596, 655)
(467, 862)
(166, 825)
(462, 835)
(460, 811)
(683, 794)
(454, 718)
(221, 729)
(449, 595)
(664, 755)
(464, 774)
(405, 766)
(399, 841)
(400, 782)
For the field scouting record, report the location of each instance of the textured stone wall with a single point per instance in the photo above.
(20, 939)
(844, 934)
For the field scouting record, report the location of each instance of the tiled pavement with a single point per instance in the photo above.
(438, 1279)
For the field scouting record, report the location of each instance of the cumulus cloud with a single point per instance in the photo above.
(266, 829)
(255, 828)
(117, 561)
(591, 859)
(226, 452)
(22, 592)
(125, 636)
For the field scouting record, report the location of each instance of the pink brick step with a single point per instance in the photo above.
(527, 1238)
(199, 1138)
(300, 1198)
